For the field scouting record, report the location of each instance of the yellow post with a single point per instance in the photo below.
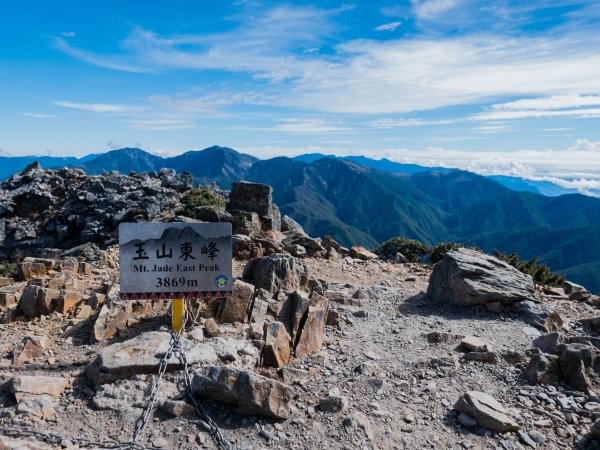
(177, 314)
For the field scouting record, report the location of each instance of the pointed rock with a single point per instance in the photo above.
(277, 351)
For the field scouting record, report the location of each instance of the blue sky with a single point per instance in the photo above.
(506, 87)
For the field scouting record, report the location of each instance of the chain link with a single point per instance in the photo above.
(176, 349)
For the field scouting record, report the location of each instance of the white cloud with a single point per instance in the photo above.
(583, 145)
(391, 26)
(39, 116)
(100, 107)
(303, 125)
(430, 9)
(187, 102)
(399, 123)
(160, 124)
(375, 77)
(586, 113)
(550, 103)
(68, 34)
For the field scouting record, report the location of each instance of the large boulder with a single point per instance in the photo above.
(143, 354)
(486, 411)
(277, 272)
(469, 277)
(254, 394)
(254, 197)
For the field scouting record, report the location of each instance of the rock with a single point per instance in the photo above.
(29, 348)
(526, 439)
(592, 324)
(576, 292)
(142, 354)
(277, 272)
(469, 277)
(486, 357)
(33, 267)
(37, 406)
(543, 369)
(112, 317)
(84, 312)
(333, 403)
(257, 331)
(595, 430)
(212, 214)
(366, 294)
(437, 337)
(27, 386)
(177, 408)
(6, 281)
(277, 351)
(96, 300)
(475, 344)
(235, 308)
(311, 334)
(486, 411)
(536, 436)
(36, 300)
(540, 316)
(362, 253)
(254, 197)
(548, 343)
(254, 394)
(333, 318)
(211, 327)
(573, 363)
(18, 444)
(466, 420)
(68, 300)
(289, 224)
(291, 375)
(358, 421)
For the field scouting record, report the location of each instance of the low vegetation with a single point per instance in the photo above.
(7, 268)
(540, 272)
(411, 249)
(198, 196)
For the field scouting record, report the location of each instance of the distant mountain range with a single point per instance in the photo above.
(358, 200)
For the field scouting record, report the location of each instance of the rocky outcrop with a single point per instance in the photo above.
(252, 208)
(277, 272)
(65, 208)
(252, 393)
(469, 277)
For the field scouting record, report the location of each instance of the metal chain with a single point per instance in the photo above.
(176, 349)
(213, 429)
(56, 440)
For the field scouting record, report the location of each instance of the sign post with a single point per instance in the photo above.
(175, 261)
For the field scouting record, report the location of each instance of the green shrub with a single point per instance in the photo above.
(198, 196)
(412, 249)
(437, 252)
(7, 268)
(540, 273)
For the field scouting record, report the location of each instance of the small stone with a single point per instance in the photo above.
(211, 327)
(475, 344)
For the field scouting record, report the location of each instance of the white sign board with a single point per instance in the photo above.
(175, 260)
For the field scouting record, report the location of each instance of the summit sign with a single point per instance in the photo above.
(175, 260)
